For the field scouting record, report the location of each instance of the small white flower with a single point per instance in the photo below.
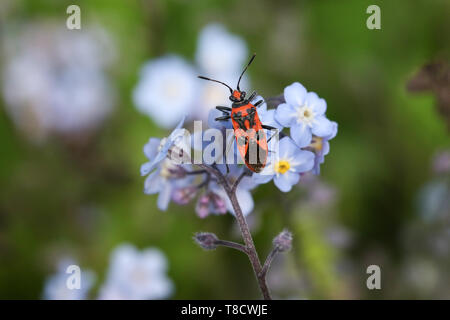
(166, 90)
(137, 275)
(56, 285)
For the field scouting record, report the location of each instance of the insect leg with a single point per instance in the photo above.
(270, 128)
(252, 96)
(268, 140)
(257, 103)
(226, 148)
(223, 118)
(223, 109)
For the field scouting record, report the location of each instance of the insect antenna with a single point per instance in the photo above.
(245, 69)
(205, 78)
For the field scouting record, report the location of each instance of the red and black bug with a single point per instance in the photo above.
(248, 129)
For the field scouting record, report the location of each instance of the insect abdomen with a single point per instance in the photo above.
(250, 136)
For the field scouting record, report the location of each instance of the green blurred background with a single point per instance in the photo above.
(83, 199)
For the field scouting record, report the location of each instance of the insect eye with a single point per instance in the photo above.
(243, 94)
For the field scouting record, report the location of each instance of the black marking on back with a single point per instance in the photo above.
(240, 119)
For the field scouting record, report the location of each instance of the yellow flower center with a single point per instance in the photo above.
(282, 166)
(317, 143)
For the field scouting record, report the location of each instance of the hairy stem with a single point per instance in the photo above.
(231, 244)
(268, 262)
(196, 172)
(250, 249)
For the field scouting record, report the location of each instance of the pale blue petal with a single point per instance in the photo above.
(180, 124)
(263, 106)
(268, 118)
(285, 115)
(287, 147)
(213, 114)
(151, 148)
(333, 132)
(262, 178)
(153, 183)
(325, 148)
(149, 95)
(303, 161)
(145, 168)
(219, 51)
(318, 105)
(150, 166)
(322, 127)
(245, 201)
(295, 94)
(164, 196)
(316, 169)
(248, 183)
(284, 182)
(176, 134)
(301, 135)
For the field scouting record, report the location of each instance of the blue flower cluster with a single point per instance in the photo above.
(301, 151)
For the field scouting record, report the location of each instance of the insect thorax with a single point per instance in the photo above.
(244, 116)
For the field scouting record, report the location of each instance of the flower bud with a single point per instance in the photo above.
(184, 195)
(202, 207)
(206, 240)
(219, 205)
(283, 241)
(210, 203)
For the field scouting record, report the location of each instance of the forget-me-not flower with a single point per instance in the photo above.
(54, 80)
(156, 150)
(167, 89)
(137, 275)
(56, 287)
(287, 165)
(163, 173)
(303, 112)
(220, 52)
